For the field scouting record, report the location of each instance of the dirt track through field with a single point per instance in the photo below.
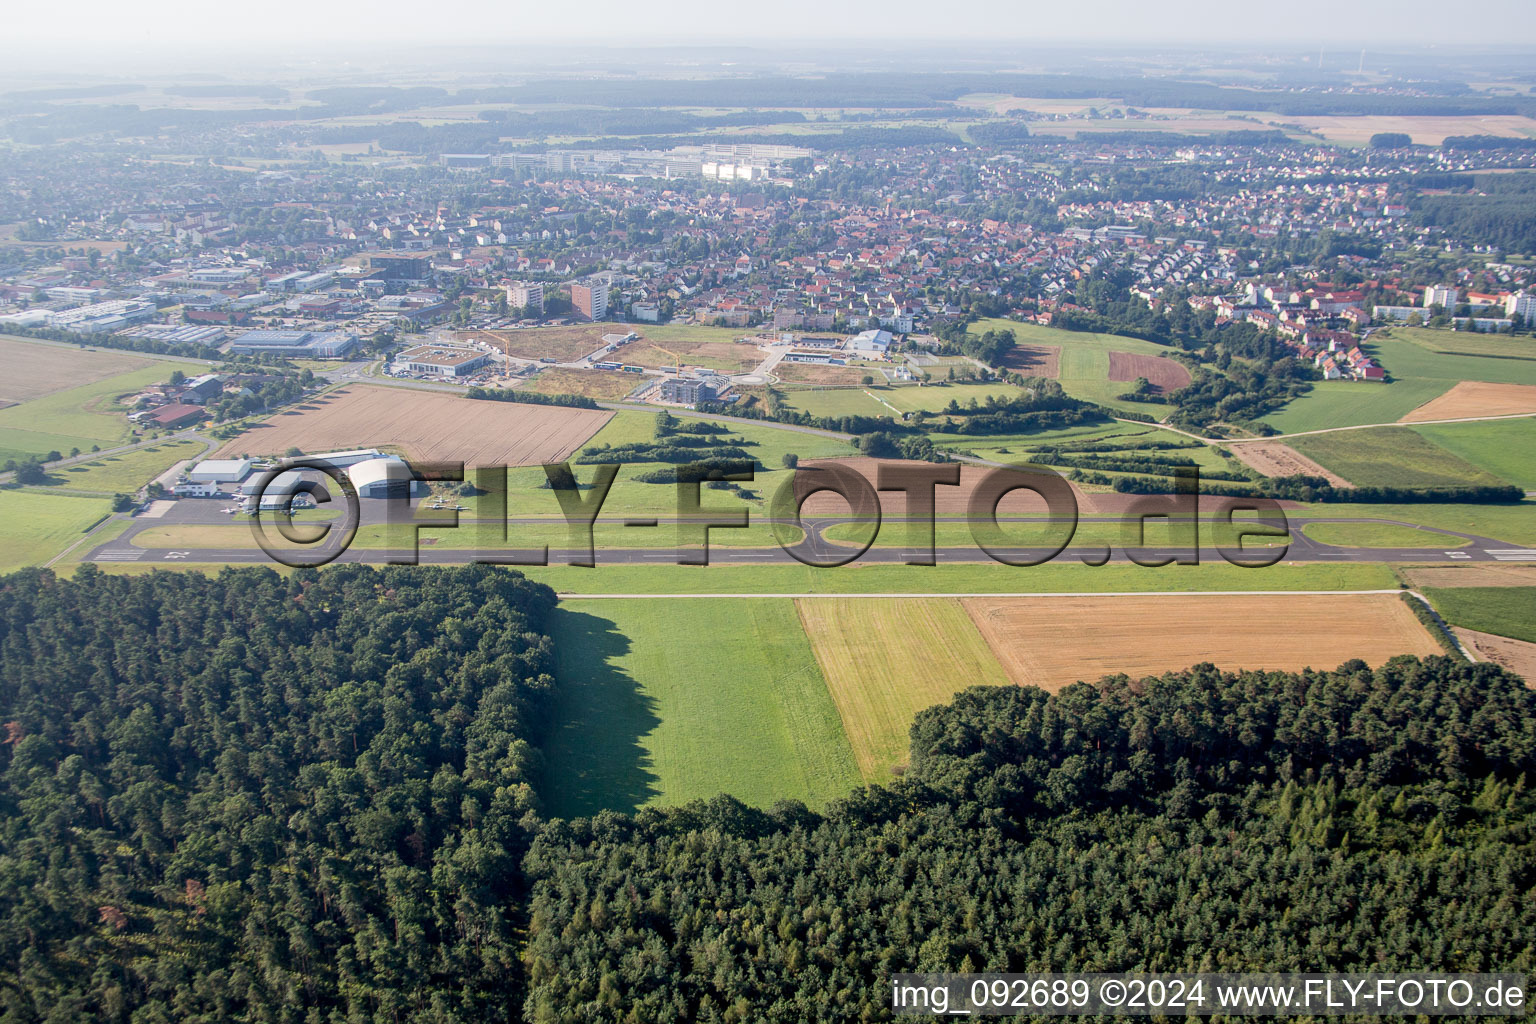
(1274, 458)
(427, 425)
(1476, 398)
(1052, 642)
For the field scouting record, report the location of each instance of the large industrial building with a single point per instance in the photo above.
(295, 344)
(441, 360)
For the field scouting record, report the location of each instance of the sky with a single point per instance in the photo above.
(127, 26)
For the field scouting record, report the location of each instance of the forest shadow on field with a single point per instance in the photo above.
(593, 759)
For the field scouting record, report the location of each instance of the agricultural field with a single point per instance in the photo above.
(602, 385)
(426, 425)
(1083, 365)
(1423, 365)
(886, 660)
(1505, 448)
(835, 401)
(1503, 611)
(38, 525)
(125, 473)
(1035, 360)
(1470, 398)
(34, 369)
(665, 701)
(1161, 372)
(1391, 457)
(1141, 636)
(80, 416)
(1274, 458)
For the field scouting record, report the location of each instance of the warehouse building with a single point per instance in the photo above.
(295, 344)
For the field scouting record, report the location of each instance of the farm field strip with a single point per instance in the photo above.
(34, 370)
(884, 661)
(428, 425)
(1140, 635)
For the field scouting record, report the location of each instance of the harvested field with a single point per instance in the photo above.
(1425, 129)
(603, 385)
(1476, 398)
(1272, 458)
(722, 356)
(33, 370)
(1518, 656)
(884, 661)
(1163, 374)
(1141, 636)
(565, 344)
(427, 425)
(1035, 360)
(1482, 575)
(817, 373)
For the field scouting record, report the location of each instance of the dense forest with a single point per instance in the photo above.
(264, 798)
(1346, 820)
(311, 798)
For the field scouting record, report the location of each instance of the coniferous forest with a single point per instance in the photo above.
(314, 798)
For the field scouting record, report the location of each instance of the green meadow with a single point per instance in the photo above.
(665, 701)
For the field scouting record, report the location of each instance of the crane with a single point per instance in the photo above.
(677, 359)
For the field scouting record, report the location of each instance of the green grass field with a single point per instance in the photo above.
(1342, 403)
(1513, 524)
(1423, 364)
(1391, 457)
(35, 526)
(1505, 611)
(1379, 535)
(723, 577)
(662, 702)
(1083, 367)
(77, 418)
(125, 473)
(1505, 448)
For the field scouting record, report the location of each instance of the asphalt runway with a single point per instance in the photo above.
(814, 549)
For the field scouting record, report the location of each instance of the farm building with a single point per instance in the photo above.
(175, 415)
(298, 344)
(441, 360)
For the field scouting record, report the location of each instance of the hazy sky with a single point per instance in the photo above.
(1342, 24)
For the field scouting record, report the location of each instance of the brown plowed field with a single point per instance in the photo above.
(1481, 575)
(1272, 458)
(33, 370)
(1516, 655)
(1052, 642)
(1035, 360)
(1164, 374)
(1476, 398)
(427, 425)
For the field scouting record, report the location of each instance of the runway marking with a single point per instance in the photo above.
(121, 555)
(1512, 554)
